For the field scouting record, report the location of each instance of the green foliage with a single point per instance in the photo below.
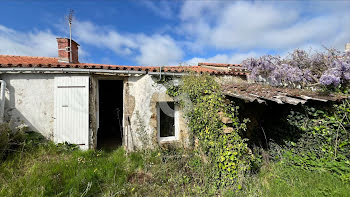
(281, 179)
(173, 90)
(324, 142)
(204, 106)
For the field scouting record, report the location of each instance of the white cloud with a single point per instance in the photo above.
(236, 58)
(103, 37)
(264, 25)
(161, 8)
(34, 43)
(158, 50)
(144, 49)
(196, 10)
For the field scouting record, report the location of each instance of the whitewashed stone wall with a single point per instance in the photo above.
(146, 93)
(30, 101)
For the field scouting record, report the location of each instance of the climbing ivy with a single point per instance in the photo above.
(205, 107)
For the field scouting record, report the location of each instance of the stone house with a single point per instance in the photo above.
(96, 105)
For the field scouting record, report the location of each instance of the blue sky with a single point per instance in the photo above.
(173, 32)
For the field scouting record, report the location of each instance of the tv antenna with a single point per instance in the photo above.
(70, 19)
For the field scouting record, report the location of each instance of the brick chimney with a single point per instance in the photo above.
(347, 47)
(64, 51)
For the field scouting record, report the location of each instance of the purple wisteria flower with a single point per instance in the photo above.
(330, 79)
(330, 68)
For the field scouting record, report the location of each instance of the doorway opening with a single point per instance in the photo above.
(110, 131)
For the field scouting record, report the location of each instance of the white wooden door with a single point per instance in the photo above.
(72, 110)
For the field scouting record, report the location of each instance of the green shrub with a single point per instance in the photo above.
(324, 142)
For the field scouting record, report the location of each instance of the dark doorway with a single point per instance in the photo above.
(109, 134)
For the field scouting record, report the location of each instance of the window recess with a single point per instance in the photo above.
(168, 124)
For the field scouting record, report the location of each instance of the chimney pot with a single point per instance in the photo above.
(64, 51)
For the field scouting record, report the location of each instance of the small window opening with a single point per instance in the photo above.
(167, 122)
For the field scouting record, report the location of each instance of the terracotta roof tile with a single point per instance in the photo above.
(9, 61)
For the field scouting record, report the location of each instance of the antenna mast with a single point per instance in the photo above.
(70, 19)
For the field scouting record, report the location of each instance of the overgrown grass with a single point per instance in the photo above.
(46, 169)
(61, 170)
(281, 179)
(50, 170)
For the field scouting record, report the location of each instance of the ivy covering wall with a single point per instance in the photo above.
(215, 126)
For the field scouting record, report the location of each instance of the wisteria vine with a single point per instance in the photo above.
(330, 68)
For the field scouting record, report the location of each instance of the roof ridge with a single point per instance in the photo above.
(8, 61)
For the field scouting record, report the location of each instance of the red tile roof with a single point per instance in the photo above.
(10, 61)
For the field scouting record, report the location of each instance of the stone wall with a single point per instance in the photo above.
(144, 93)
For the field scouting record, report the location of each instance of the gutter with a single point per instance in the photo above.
(70, 70)
(77, 70)
(167, 73)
